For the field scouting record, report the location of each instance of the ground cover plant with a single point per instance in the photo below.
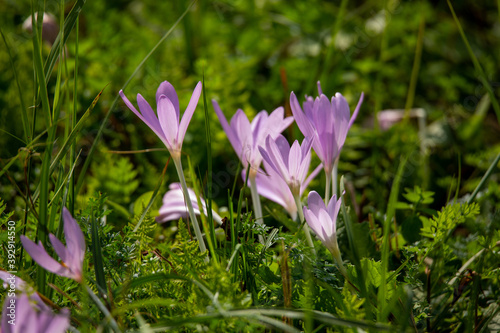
(249, 166)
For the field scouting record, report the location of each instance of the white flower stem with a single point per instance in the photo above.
(338, 258)
(187, 199)
(256, 201)
(306, 227)
(328, 177)
(334, 177)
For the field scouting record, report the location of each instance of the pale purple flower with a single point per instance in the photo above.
(71, 255)
(272, 186)
(290, 163)
(20, 316)
(327, 122)
(166, 124)
(323, 219)
(174, 207)
(246, 137)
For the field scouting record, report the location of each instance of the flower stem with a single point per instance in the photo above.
(338, 258)
(327, 187)
(256, 202)
(334, 177)
(306, 227)
(187, 200)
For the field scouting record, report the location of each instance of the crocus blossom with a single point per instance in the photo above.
(246, 137)
(272, 186)
(20, 316)
(174, 206)
(323, 221)
(71, 255)
(327, 122)
(166, 124)
(291, 163)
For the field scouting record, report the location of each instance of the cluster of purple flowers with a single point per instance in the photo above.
(285, 176)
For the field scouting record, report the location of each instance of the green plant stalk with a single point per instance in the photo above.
(72, 159)
(209, 230)
(187, 199)
(484, 179)
(96, 253)
(37, 60)
(302, 222)
(381, 59)
(391, 210)
(416, 67)
(256, 201)
(208, 195)
(477, 65)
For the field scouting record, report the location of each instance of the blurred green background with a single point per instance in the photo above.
(252, 55)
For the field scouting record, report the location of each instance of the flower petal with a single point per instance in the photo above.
(169, 121)
(38, 254)
(301, 119)
(75, 242)
(167, 89)
(188, 114)
(231, 135)
(315, 203)
(356, 110)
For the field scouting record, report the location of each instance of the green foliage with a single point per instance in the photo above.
(115, 176)
(448, 219)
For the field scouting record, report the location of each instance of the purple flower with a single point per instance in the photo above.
(19, 316)
(327, 122)
(71, 255)
(323, 219)
(246, 137)
(174, 207)
(272, 186)
(166, 125)
(290, 163)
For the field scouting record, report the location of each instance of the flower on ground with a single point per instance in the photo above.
(174, 206)
(246, 137)
(290, 163)
(323, 219)
(166, 124)
(273, 187)
(327, 122)
(20, 316)
(71, 255)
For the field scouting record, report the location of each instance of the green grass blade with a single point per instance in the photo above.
(484, 179)
(69, 24)
(40, 77)
(208, 194)
(416, 66)
(477, 65)
(96, 252)
(391, 211)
